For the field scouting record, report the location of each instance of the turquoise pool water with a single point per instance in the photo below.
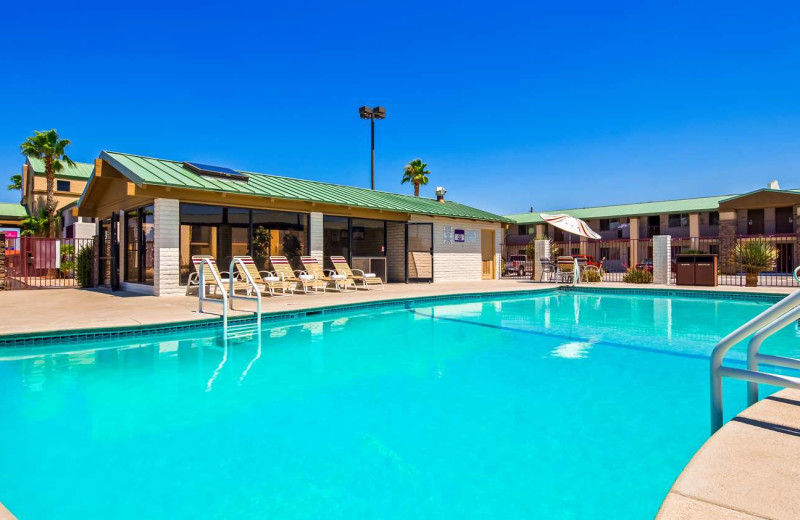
(566, 406)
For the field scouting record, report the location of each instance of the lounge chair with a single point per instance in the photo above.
(363, 280)
(339, 282)
(565, 269)
(284, 271)
(208, 277)
(267, 279)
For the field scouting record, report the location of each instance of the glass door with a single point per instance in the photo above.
(419, 253)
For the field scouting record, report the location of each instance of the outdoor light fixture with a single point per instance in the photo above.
(372, 114)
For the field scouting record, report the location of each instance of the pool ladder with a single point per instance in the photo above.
(777, 317)
(228, 299)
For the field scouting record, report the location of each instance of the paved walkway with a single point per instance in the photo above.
(48, 310)
(63, 309)
(748, 470)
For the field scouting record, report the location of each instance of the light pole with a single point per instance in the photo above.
(372, 114)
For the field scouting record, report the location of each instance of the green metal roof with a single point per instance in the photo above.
(161, 172)
(629, 210)
(13, 210)
(80, 171)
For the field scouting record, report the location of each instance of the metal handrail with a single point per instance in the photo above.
(764, 325)
(201, 290)
(238, 260)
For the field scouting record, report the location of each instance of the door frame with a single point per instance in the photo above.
(406, 251)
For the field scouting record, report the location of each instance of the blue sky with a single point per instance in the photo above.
(512, 104)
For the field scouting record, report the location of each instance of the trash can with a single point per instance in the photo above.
(684, 270)
(705, 270)
(696, 270)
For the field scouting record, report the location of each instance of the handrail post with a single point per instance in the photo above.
(755, 344)
(764, 319)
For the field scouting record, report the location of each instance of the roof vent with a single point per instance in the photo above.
(773, 185)
(215, 171)
(440, 191)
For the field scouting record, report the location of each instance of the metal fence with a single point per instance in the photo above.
(616, 256)
(43, 263)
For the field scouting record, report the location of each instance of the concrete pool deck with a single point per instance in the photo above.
(749, 469)
(49, 310)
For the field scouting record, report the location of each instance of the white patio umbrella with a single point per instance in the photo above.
(570, 224)
(574, 226)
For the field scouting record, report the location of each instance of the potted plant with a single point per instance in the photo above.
(755, 255)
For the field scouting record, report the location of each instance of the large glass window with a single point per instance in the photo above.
(227, 232)
(368, 237)
(132, 246)
(335, 238)
(139, 237)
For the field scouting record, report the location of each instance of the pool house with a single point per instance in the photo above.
(153, 215)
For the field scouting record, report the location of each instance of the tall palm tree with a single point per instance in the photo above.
(16, 183)
(48, 147)
(415, 173)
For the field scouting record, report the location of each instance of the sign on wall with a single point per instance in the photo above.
(472, 236)
(459, 235)
(12, 234)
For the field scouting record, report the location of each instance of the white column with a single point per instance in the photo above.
(662, 259)
(542, 252)
(166, 247)
(315, 236)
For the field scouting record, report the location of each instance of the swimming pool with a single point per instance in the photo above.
(560, 405)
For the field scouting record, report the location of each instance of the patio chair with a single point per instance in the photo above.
(549, 270)
(267, 279)
(565, 269)
(596, 268)
(329, 276)
(299, 277)
(208, 277)
(362, 281)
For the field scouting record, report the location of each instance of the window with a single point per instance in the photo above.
(335, 238)
(369, 237)
(608, 224)
(62, 185)
(227, 232)
(139, 238)
(678, 220)
(713, 218)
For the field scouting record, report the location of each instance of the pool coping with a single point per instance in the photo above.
(80, 335)
(746, 470)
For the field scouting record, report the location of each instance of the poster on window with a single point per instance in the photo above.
(447, 232)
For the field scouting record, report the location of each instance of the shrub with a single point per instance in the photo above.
(755, 255)
(84, 263)
(692, 252)
(637, 276)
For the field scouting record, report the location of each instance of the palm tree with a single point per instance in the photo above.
(36, 226)
(16, 183)
(415, 173)
(47, 147)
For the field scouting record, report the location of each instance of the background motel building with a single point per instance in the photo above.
(153, 215)
(710, 224)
